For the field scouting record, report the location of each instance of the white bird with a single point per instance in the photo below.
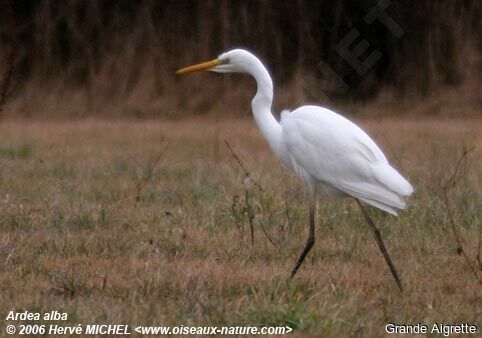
(332, 155)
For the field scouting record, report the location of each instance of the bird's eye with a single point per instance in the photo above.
(224, 61)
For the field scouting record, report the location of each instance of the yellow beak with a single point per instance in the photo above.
(199, 67)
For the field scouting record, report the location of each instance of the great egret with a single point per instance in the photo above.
(332, 155)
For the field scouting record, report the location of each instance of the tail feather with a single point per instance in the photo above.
(385, 193)
(389, 177)
(380, 205)
(374, 194)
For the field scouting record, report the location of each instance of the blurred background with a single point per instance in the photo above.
(79, 58)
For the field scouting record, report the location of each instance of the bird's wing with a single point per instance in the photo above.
(336, 152)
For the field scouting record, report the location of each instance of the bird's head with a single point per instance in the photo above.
(233, 61)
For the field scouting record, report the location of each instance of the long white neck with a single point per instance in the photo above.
(261, 105)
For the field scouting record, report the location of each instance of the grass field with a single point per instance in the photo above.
(147, 223)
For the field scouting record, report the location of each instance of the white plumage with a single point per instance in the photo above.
(332, 155)
(337, 158)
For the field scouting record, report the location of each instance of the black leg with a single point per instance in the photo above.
(309, 242)
(381, 246)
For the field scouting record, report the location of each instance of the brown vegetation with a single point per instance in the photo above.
(159, 222)
(82, 58)
(78, 235)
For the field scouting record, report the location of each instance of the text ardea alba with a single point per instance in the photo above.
(332, 155)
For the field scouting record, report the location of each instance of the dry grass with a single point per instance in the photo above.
(85, 231)
(78, 58)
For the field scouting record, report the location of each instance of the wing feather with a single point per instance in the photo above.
(336, 152)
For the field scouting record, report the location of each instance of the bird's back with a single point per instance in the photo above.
(335, 156)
